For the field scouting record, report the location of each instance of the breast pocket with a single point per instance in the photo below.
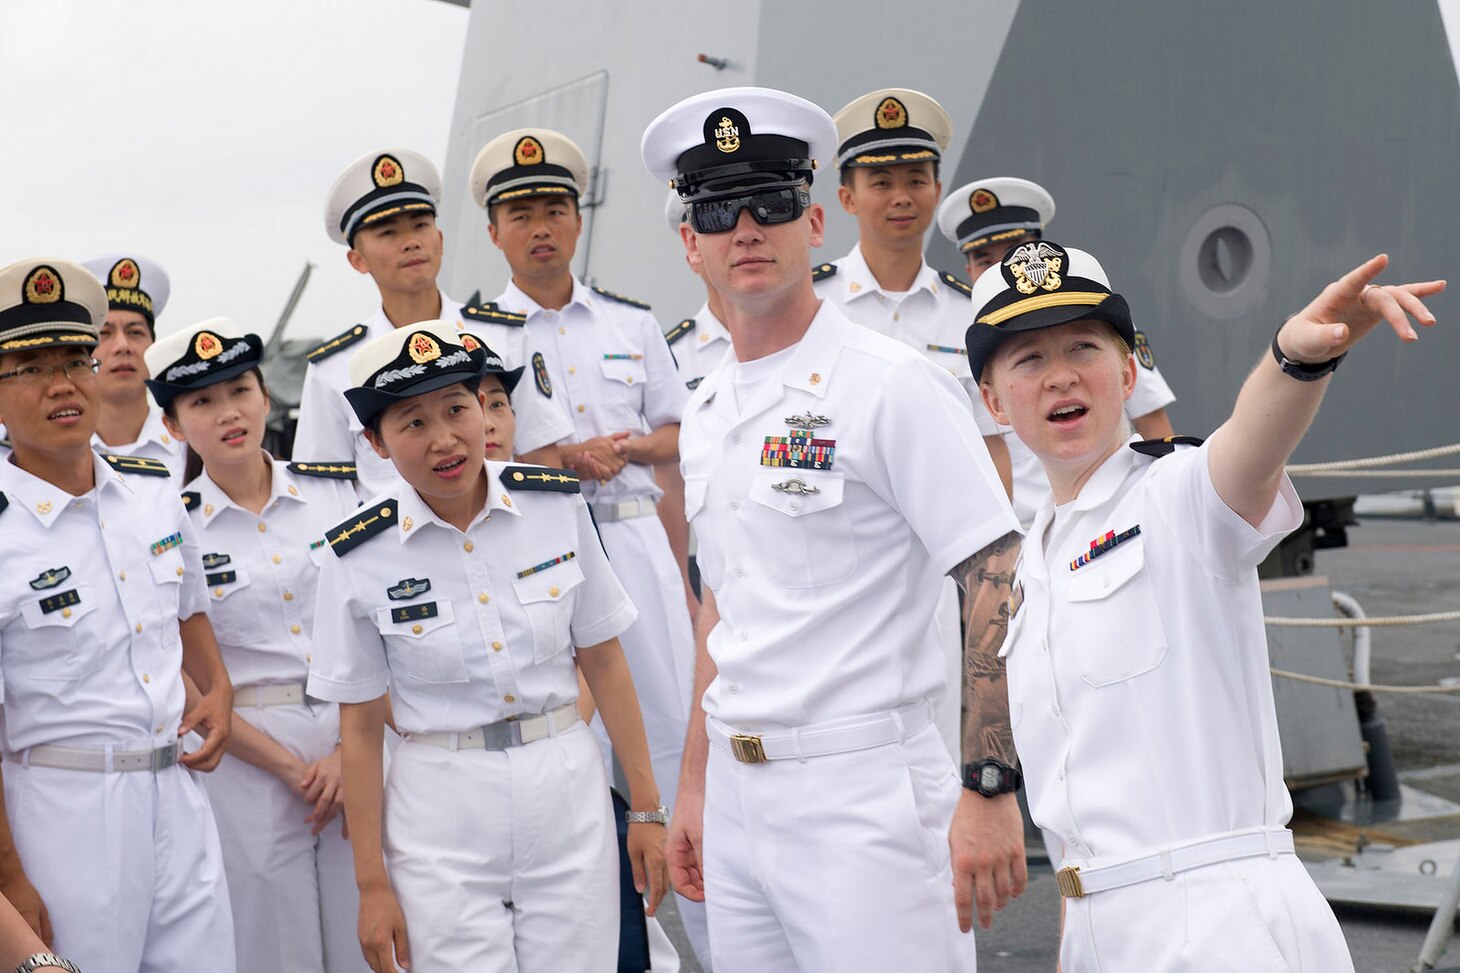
(58, 650)
(1117, 615)
(696, 491)
(422, 642)
(547, 598)
(167, 576)
(624, 383)
(232, 607)
(809, 532)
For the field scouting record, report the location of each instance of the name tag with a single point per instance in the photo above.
(223, 577)
(63, 600)
(413, 613)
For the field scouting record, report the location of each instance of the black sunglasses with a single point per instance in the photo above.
(766, 208)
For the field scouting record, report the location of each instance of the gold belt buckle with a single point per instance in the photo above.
(1068, 879)
(747, 748)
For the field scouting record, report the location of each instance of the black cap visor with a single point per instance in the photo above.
(983, 337)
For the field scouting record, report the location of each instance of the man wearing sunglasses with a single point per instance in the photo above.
(832, 475)
(108, 847)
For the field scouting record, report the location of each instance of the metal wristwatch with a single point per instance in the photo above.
(1303, 371)
(660, 816)
(42, 960)
(990, 778)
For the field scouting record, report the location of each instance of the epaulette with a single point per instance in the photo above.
(540, 478)
(322, 351)
(957, 283)
(679, 330)
(494, 314)
(191, 499)
(621, 299)
(367, 522)
(330, 471)
(1160, 447)
(823, 272)
(137, 464)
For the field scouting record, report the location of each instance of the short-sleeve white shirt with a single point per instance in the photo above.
(1139, 690)
(611, 365)
(699, 350)
(826, 588)
(153, 442)
(90, 653)
(466, 629)
(261, 570)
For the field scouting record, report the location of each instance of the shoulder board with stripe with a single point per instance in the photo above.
(330, 471)
(679, 330)
(957, 283)
(540, 478)
(368, 522)
(494, 314)
(191, 499)
(136, 464)
(344, 340)
(620, 298)
(823, 272)
(1161, 447)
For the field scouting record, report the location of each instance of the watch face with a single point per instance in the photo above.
(989, 778)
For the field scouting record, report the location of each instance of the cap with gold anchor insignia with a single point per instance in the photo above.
(49, 303)
(528, 162)
(989, 211)
(414, 360)
(205, 354)
(890, 127)
(133, 283)
(377, 186)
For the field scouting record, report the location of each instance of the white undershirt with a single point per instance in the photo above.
(750, 375)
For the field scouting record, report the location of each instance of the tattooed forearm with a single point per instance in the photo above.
(987, 579)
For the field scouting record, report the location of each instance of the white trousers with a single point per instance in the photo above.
(128, 865)
(838, 864)
(295, 905)
(660, 649)
(1258, 915)
(504, 861)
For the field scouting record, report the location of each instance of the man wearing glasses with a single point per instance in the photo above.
(832, 475)
(109, 850)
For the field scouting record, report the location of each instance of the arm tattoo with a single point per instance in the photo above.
(986, 579)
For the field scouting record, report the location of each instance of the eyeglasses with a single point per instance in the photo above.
(45, 374)
(766, 208)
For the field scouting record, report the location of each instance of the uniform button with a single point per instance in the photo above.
(146, 678)
(509, 698)
(415, 630)
(554, 591)
(122, 575)
(1044, 647)
(217, 592)
(739, 571)
(744, 636)
(263, 527)
(582, 408)
(179, 572)
(562, 330)
(484, 597)
(572, 370)
(468, 547)
(65, 613)
(309, 658)
(294, 629)
(157, 729)
(276, 559)
(1060, 773)
(732, 689)
(794, 505)
(735, 439)
(896, 316)
(1054, 711)
(734, 504)
(139, 628)
(1074, 840)
(288, 596)
(496, 646)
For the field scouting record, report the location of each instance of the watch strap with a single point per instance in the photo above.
(660, 816)
(990, 778)
(1303, 371)
(40, 961)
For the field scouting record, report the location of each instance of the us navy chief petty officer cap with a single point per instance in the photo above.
(1039, 285)
(528, 162)
(419, 358)
(719, 142)
(988, 211)
(377, 186)
(204, 354)
(49, 303)
(891, 127)
(133, 283)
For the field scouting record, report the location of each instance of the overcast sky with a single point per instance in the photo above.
(205, 135)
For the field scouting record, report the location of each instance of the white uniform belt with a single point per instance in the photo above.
(504, 734)
(819, 739)
(273, 695)
(99, 761)
(1100, 875)
(606, 511)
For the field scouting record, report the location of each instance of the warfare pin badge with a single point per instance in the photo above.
(408, 588)
(49, 579)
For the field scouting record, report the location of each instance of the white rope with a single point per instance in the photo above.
(1373, 461)
(1377, 621)
(1371, 687)
(1366, 474)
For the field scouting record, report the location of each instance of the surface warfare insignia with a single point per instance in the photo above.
(340, 341)
(796, 486)
(367, 523)
(1100, 545)
(1161, 447)
(798, 451)
(543, 478)
(1035, 266)
(540, 375)
(408, 588)
(679, 330)
(982, 201)
(49, 579)
(136, 464)
(1143, 351)
(806, 420)
(211, 561)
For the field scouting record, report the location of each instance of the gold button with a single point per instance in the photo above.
(562, 330)
(496, 646)
(293, 492)
(553, 592)
(159, 728)
(572, 370)
(630, 380)
(179, 572)
(139, 628)
(468, 546)
(293, 629)
(509, 698)
(65, 613)
(309, 658)
(166, 441)
(288, 596)
(263, 527)
(483, 598)
(582, 408)
(897, 317)
(217, 592)
(122, 575)
(146, 678)
(277, 559)
(415, 630)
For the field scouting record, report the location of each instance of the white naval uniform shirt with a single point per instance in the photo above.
(153, 442)
(90, 654)
(825, 597)
(1139, 690)
(611, 365)
(931, 318)
(261, 570)
(329, 430)
(699, 350)
(491, 633)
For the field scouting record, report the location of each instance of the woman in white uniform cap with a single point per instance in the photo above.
(1138, 672)
(261, 524)
(468, 592)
